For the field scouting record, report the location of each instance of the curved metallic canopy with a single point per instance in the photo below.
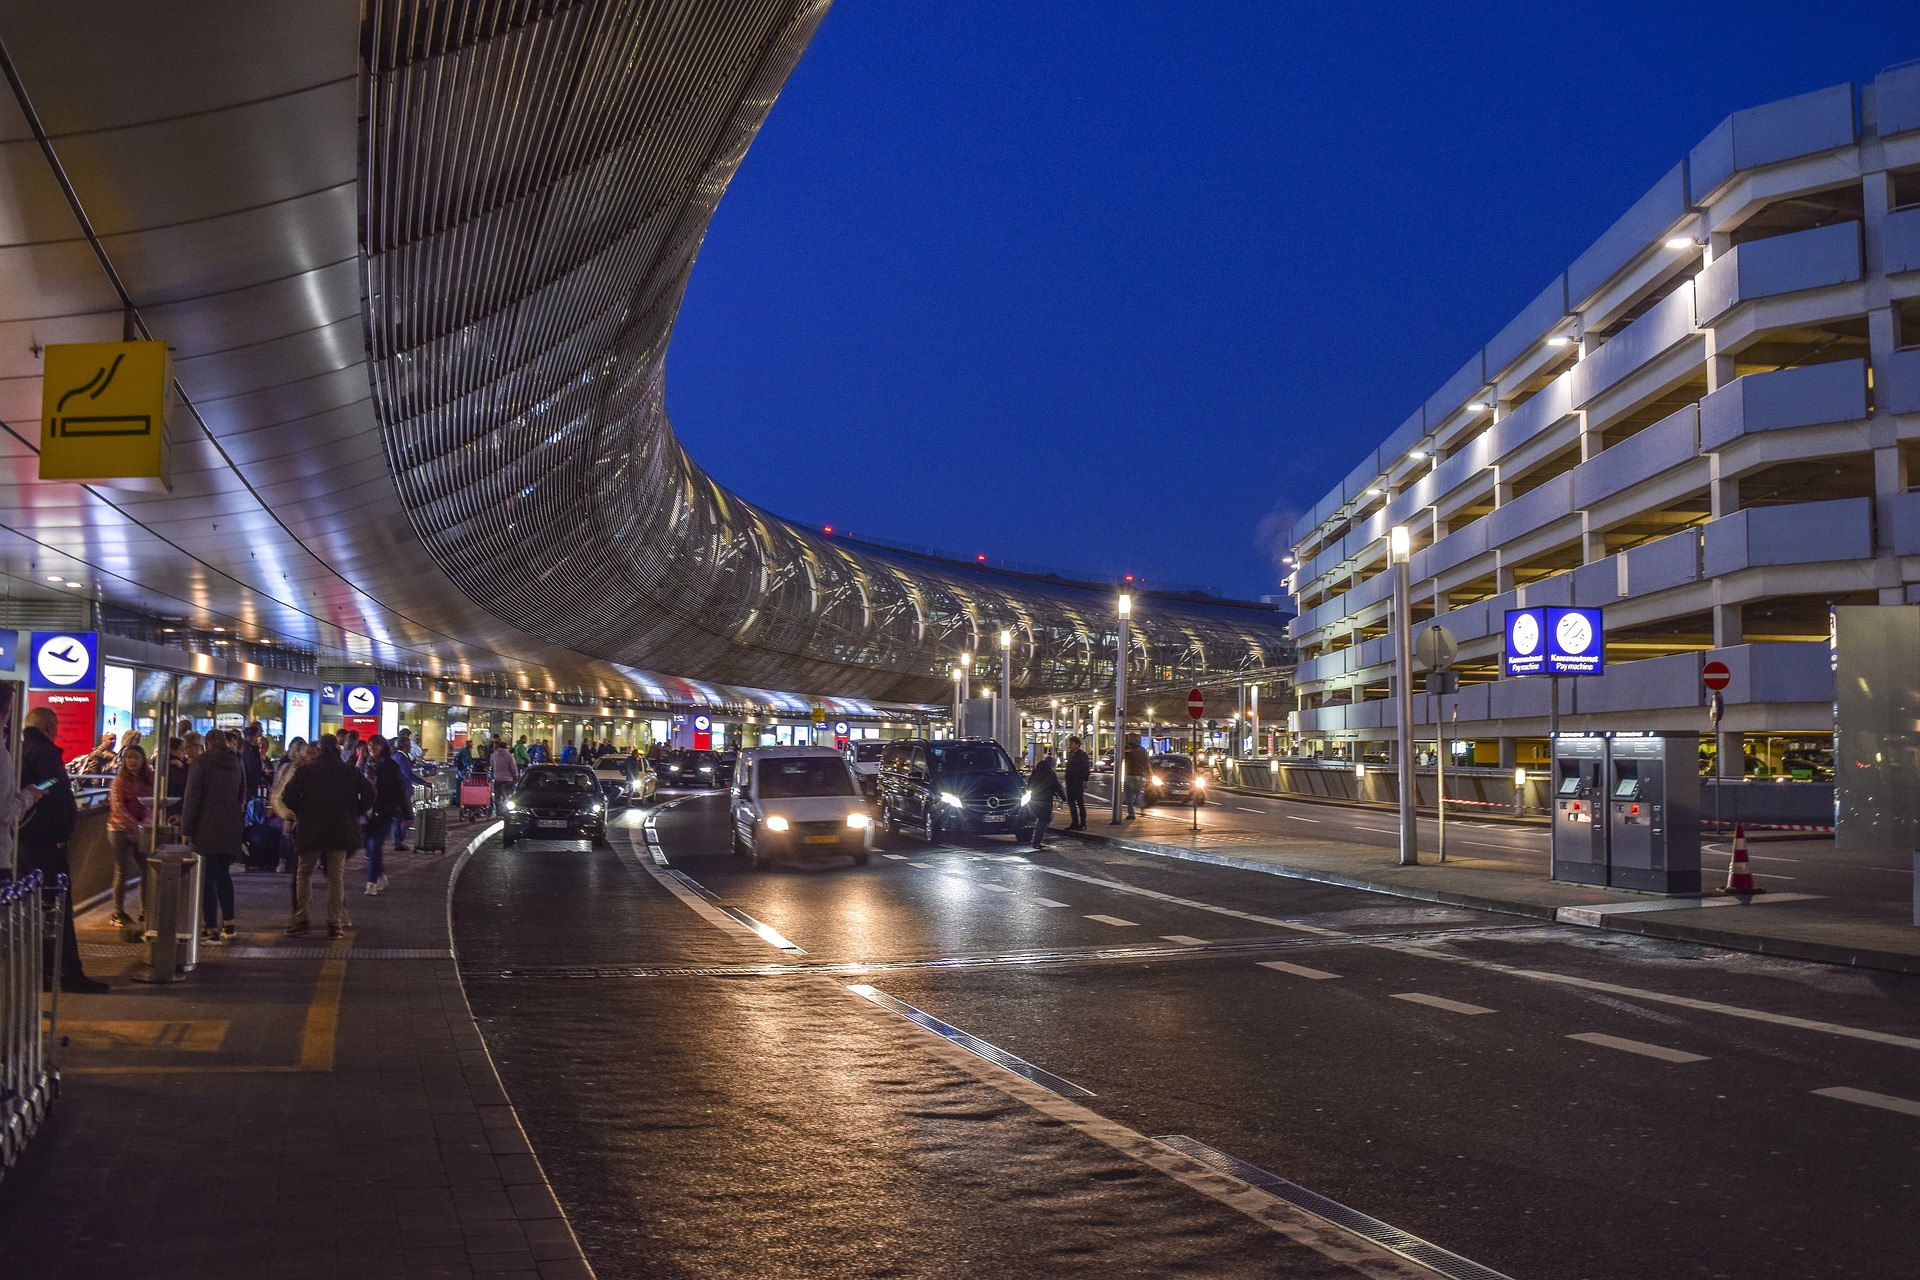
(419, 264)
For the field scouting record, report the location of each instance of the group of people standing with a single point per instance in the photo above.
(1046, 785)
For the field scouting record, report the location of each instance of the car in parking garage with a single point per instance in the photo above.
(625, 781)
(798, 802)
(555, 802)
(946, 786)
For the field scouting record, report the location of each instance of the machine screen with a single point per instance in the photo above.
(1626, 788)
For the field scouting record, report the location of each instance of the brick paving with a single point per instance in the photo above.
(397, 1155)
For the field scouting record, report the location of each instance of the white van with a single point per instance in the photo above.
(801, 802)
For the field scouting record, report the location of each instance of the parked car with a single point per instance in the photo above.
(556, 802)
(798, 802)
(865, 759)
(625, 780)
(941, 787)
(1172, 779)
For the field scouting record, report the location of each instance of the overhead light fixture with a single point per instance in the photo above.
(1374, 493)
(1479, 406)
(1683, 242)
(74, 585)
(55, 577)
(1417, 454)
(1560, 340)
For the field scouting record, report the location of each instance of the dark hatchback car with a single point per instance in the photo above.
(944, 787)
(694, 769)
(556, 802)
(1172, 779)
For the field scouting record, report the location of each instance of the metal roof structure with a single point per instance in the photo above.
(419, 265)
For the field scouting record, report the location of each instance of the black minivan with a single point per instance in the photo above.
(941, 787)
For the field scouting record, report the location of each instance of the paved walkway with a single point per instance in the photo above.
(292, 1109)
(1861, 913)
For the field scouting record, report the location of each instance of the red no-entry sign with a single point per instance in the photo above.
(1196, 704)
(1716, 676)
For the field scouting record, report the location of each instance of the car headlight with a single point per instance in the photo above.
(947, 797)
(594, 807)
(512, 805)
(1199, 783)
(857, 820)
(776, 823)
(1026, 798)
(1156, 780)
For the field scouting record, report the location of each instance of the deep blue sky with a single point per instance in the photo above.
(1123, 287)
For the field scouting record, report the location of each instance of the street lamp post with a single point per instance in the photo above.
(956, 701)
(1008, 723)
(1054, 724)
(1400, 552)
(1120, 701)
(966, 681)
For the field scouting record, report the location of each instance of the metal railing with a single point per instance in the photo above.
(30, 919)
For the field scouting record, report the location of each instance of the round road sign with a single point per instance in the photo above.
(1716, 676)
(1196, 704)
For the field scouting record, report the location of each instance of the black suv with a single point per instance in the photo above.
(946, 786)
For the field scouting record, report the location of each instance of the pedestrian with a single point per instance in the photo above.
(1079, 769)
(566, 753)
(1137, 763)
(253, 759)
(520, 751)
(45, 833)
(462, 760)
(326, 797)
(213, 819)
(384, 775)
(295, 757)
(505, 772)
(14, 798)
(128, 811)
(190, 742)
(133, 738)
(1044, 783)
(103, 759)
(403, 820)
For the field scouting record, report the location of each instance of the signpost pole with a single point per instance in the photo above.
(1440, 780)
(1120, 702)
(1400, 552)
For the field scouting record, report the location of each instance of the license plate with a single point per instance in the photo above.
(545, 823)
(823, 840)
(994, 817)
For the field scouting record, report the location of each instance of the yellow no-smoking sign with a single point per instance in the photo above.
(103, 411)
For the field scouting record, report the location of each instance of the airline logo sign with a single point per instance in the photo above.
(64, 660)
(103, 408)
(362, 700)
(1554, 641)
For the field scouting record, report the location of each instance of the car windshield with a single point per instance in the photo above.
(972, 757)
(785, 778)
(868, 751)
(542, 778)
(1174, 763)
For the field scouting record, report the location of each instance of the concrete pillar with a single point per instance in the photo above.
(1726, 626)
(1730, 754)
(1509, 754)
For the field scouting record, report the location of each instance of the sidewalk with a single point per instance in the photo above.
(1873, 931)
(292, 1109)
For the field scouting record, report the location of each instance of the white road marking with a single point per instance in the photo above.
(1184, 940)
(1661, 997)
(1120, 886)
(1867, 1098)
(1047, 902)
(925, 866)
(1297, 818)
(994, 888)
(1640, 1047)
(1115, 921)
(1012, 857)
(1297, 970)
(897, 857)
(1242, 808)
(1441, 1002)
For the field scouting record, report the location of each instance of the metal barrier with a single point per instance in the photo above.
(170, 900)
(30, 920)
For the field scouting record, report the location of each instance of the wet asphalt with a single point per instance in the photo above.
(1550, 1102)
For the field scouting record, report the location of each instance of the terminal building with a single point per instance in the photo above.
(1707, 426)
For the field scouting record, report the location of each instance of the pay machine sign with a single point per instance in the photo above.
(1554, 641)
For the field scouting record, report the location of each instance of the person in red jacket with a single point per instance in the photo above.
(128, 811)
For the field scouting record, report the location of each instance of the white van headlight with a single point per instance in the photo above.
(947, 797)
(776, 823)
(857, 820)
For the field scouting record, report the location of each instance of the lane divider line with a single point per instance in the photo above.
(1409, 1246)
(1048, 902)
(700, 898)
(1121, 886)
(1661, 997)
(1297, 970)
(1115, 921)
(1868, 1098)
(1441, 1002)
(1640, 1047)
(971, 1043)
(1184, 940)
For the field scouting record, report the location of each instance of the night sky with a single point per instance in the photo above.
(1125, 288)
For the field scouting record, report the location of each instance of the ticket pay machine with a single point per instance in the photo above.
(1580, 808)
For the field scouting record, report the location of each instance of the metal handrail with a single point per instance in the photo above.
(31, 915)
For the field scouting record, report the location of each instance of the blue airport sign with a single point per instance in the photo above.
(361, 699)
(9, 649)
(1554, 641)
(65, 660)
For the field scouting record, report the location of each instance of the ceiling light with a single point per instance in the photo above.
(1683, 242)
(54, 577)
(1418, 454)
(1560, 340)
(1479, 406)
(1374, 493)
(74, 585)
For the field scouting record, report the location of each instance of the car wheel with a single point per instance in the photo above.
(862, 858)
(760, 860)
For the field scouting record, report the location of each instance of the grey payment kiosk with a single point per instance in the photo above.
(1580, 808)
(1627, 811)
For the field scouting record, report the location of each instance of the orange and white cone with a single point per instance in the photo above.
(1739, 877)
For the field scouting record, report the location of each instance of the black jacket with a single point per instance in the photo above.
(1079, 768)
(326, 796)
(49, 823)
(389, 788)
(1045, 785)
(1139, 764)
(214, 815)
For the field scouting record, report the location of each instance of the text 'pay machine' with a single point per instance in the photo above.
(1626, 810)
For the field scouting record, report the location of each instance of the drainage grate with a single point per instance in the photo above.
(1387, 1236)
(972, 1044)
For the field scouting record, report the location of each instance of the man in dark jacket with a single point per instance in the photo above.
(213, 819)
(1044, 783)
(45, 833)
(1079, 769)
(253, 758)
(327, 797)
(1138, 765)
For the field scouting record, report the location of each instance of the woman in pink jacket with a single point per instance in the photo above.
(128, 811)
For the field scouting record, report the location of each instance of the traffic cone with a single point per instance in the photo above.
(1739, 878)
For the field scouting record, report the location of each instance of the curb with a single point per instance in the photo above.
(1648, 926)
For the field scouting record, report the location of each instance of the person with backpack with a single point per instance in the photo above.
(327, 798)
(213, 819)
